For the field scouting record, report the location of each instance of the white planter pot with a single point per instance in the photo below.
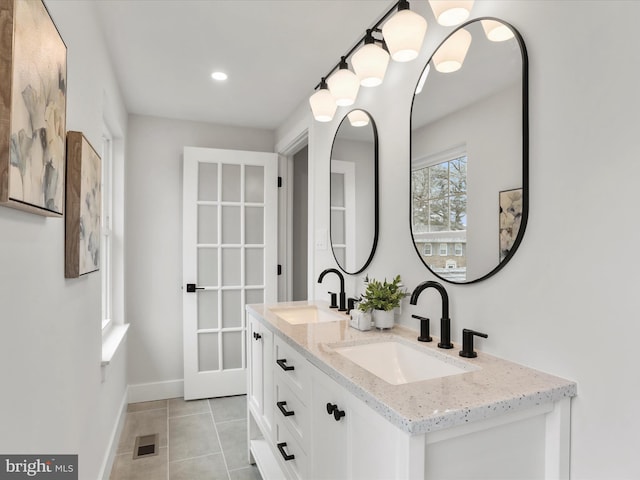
(383, 319)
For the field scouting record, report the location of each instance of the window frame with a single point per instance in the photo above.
(106, 250)
(445, 156)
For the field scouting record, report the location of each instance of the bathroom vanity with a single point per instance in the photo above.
(326, 401)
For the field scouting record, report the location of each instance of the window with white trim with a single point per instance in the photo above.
(439, 195)
(458, 249)
(443, 249)
(427, 249)
(106, 250)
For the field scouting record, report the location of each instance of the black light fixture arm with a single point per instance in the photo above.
(400, 5)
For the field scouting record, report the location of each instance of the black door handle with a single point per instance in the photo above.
(282, 362)
(284, 454)
(191, 287)
(285, 412)
(257, 336)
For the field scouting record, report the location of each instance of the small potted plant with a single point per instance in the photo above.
(381, 298)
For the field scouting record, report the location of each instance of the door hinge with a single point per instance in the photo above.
(279, 182)
(279, 269)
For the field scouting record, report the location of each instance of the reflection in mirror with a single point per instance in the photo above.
(469, 152)
(354, 192)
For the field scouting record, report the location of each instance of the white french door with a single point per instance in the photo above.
(229, 260)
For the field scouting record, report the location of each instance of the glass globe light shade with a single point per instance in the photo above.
(404, 33)
(323, 105)
(370, 64)
(451, 12)
(450, 56)
(344, 86)
(358, 118)
(496, 31)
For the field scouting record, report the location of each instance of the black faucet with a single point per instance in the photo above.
(445, 322)
(343, 297)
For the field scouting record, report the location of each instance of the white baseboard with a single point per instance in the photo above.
(147, 392)
(115, 438)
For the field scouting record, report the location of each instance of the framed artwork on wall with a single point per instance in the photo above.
(83, 206)
(33, 98)
(510, 219)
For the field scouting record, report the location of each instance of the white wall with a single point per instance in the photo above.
(53, 398)
(154, 243)
(556, 306)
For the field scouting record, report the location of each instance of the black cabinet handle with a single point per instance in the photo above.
(285, 412)
(257, 336)
(284, 454)
(332, 408)
(191, 287)
(282, 362)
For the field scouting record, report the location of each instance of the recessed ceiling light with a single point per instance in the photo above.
(219, 76)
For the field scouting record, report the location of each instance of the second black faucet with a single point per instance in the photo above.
(445, 322)
(343, 297)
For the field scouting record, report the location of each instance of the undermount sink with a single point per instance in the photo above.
(398, 363)
(304, 314)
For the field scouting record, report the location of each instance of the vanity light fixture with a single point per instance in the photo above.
(450, 56)
(358, 118)
(404, 33)
(370, 61)
(496, 31)
(451, 12)
(323, 105)
(344, 85)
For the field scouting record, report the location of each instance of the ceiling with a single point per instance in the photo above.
(274, 51)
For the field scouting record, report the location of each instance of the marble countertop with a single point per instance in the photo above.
(496, 387)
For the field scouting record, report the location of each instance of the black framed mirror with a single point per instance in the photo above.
(354, 192)
(470, 152)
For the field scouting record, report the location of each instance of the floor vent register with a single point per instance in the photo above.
(145, 446)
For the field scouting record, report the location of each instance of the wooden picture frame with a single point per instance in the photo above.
(83, 205)
(33, 99)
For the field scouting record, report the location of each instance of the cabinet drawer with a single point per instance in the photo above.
(292, 413)
(289, 452)
(293, 368)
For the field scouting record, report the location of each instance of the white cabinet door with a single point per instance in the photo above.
(260, 383)
(330, 418)
(256, 382)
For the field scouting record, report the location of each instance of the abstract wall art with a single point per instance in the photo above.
(510, 219)
(83, 206)
(33, 97)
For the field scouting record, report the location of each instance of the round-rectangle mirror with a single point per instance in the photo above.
(354, 192)
(469, 152)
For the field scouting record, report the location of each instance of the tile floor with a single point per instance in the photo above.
(198, 440)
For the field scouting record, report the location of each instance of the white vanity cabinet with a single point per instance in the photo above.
(316, 416)
(318, 430)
